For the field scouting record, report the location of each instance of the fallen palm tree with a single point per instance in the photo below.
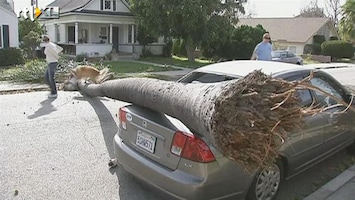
(246, 119)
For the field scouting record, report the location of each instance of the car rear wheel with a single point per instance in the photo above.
(266, 183)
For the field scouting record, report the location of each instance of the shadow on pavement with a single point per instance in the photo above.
(45, 109)
(128, 186)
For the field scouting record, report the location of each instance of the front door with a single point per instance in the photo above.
(115, 38)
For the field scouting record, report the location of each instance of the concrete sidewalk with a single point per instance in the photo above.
(341, 187)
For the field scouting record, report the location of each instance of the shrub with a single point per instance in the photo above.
(81, 57)
(179, 47)
(314, 49)
(333, 38)
(319, 39)
(337, 49)
(11, 56)
(32, 71)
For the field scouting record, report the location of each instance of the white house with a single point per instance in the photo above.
(95, 28)
(8, 25)
(293, 33)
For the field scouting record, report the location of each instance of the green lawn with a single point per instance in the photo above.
(135, 67)
(177, 61)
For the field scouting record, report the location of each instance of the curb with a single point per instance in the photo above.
(334, 186)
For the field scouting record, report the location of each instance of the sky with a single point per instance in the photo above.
(259, 8)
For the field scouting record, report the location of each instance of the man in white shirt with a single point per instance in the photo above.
(52, 55)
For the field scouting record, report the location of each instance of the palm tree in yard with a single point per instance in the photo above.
(346, 28)
(264, 110)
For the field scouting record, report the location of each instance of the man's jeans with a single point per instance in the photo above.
(49, 76)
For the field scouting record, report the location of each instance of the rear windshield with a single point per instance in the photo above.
(203, 77)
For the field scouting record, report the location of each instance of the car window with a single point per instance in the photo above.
(275, 54)
(203, 77)
(290, 54)
(328, 87)
(305, 97)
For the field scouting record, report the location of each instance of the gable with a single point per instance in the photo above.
(297, 30)
(4, 4)
(91, 6)
(99, 5)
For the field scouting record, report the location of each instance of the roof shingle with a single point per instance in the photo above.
(298, 29)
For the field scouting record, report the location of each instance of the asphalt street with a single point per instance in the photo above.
(59, 149)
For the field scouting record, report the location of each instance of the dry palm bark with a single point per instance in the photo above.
(246, 119)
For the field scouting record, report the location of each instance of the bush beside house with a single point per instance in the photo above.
(11, 56)
(337, 49)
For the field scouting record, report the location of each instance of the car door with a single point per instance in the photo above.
(303, 146)
(337, 131)
(291, 58)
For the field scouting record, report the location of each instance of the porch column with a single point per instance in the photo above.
(110, 34)
(55, 39)
(132, 34)
(76, 33)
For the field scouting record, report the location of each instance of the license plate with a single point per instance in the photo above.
(145, 141)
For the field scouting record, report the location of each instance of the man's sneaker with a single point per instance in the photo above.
(52, 96)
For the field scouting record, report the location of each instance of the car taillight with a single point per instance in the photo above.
(122, 118)
(191, 147)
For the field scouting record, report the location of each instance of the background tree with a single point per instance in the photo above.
(30, 36)
(185, 19)
(216, 37)
(346, 25)
(144, 38)
(333, 10)
(312, 10)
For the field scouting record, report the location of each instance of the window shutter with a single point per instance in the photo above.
(101, 4)
(114, 5)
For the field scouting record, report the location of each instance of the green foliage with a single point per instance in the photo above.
(243, 41)
(144, 37)
(346, 26)
(32, 71)
(333, 38)
(81, 57)
(337, 49)
(167, 50)
(29, 44)
(318, 39)
(11, 56)
(182, 19)
(178, 48)
(314, 49)
(30, 36)
(218, 34)
(25, 26)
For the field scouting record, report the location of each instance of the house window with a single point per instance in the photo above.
(292, 49)
(107, 4)
(5, 36)
(103, 34)
(132, 33)
(114, 5)
(0, 37)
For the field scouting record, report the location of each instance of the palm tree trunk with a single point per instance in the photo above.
(235, 116)
(191, 103)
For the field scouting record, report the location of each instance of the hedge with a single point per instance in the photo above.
(337, 49)
(11, 56)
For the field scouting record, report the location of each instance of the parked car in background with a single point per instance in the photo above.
(286, 56)
(146, 142)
